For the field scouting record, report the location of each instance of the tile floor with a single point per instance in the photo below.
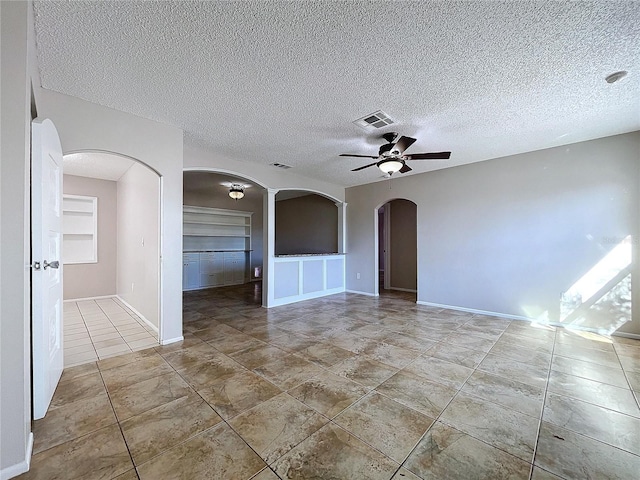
(348, 387)
(98, 329)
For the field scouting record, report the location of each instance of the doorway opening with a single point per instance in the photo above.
(222, 241)
(111, 256)
(397, 248)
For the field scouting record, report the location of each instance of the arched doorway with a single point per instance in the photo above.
(111, 255)
(396, 247)
(222, 235)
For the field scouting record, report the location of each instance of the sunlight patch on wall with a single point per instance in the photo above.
(601, 299)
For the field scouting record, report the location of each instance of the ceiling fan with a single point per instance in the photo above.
(391, 156)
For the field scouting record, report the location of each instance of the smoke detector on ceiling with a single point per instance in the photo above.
(377, 119)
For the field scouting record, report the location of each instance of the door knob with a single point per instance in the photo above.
(54, 264)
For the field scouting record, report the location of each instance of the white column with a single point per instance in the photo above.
(269, 245)
(342, 227)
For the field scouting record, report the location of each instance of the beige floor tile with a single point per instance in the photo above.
(144, 342)
(608, 426)
(602, 394)
(386, 425)
(445, 452)
(512, 394)
(217, 453)
(328, 393)
(118, 349)
(131, 373)
(137, 336)
(139, 397)
(575, 456)
(331, 452)
(97, 455)
(288, 371)
(79, 359)
(82, 387)
(363, 370)
(275, 426)
(155, 431)
(72, 420)
(240, 392)
(441, 371)
(506, 429)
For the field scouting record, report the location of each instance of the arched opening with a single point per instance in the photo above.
(397, 248)
(222, 240)
(111, 255)
(306, 223)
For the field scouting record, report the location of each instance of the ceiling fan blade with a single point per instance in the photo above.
(429, 156)
(357, 156)
(403, 143)
(366, 166)
(406, 168)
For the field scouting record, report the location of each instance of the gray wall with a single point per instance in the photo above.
(509, 235)
(15, 239)
(403, 245)
(247, 204)
(307, 224)
(95, 279)
(138, 240)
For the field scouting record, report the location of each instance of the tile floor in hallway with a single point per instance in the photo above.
(102, 328)
(348, 387)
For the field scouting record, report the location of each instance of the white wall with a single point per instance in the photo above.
(510, 235)
(84, 280)
(85, 126)
(138, 240)
(15, 241)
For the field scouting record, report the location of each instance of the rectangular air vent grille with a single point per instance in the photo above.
(377, 119)
(281, 165)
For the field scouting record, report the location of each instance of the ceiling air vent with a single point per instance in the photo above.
(281, 165)
(377, 119)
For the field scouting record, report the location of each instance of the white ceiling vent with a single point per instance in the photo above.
(377, 119)
(281, 165)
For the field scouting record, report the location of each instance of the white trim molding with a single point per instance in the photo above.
(172, 340)
(22, 467)
(358, 292)
(477, 312)
(142, 317)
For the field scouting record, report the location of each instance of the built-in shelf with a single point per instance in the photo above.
(217, 229)
(80, 229)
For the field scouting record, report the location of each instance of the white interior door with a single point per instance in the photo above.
(46, 255)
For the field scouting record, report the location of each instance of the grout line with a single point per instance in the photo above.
(544, 402)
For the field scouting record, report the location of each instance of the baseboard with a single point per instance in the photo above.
(142, 317)
(102, 297)
(357, 292)
(476, 311)
(22, 467)
(172, 340)
(633, 336)
(403, 289)
(526, 319)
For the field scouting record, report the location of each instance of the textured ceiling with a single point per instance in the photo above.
(215, 184)
(105, 166)
(282, 82)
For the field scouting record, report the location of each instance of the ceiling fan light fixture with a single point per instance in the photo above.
(390, 166)
(236, 192)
